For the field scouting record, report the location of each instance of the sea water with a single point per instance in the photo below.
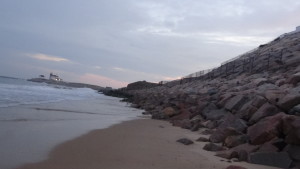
(35, 117)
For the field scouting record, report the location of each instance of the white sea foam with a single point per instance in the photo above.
(15, 92)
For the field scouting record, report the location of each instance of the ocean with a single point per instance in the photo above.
(36, 117)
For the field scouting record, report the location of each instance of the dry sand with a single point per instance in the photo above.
(137, 144)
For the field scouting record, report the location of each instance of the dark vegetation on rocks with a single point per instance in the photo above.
(250, 106)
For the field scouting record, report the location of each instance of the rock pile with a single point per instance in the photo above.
(253, 116)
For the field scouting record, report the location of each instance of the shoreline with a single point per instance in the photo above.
(142, 143)
(29, 132)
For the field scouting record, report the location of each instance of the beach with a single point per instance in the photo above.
(135, 144)
(29, 132)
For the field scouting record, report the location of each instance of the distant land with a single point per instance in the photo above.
(69, 84)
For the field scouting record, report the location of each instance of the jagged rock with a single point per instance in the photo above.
(276, 159)
(213, 147)
(235, 103)
(291, 129)
(265, 110)
(203, 139)
(289, 101)
(233, 141)
(185, 141)
(266, 129)
(235, 167)
(294, 152)
(234, 152)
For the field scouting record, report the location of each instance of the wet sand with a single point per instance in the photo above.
(136, 144)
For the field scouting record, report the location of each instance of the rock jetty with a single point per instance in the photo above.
(250, 105)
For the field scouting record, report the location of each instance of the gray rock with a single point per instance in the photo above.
(185, 141)
(212, 147)
(203, 139)
(294, 151)
(289, 101)
(275, 159)
(235, 103)
(295, 110)
(265, 110)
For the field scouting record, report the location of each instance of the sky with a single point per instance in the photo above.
(116, 42)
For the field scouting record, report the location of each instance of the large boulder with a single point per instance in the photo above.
(213, 147)
(235, 103)
(289, 101)
(295, 110)
(265, 110)
(185, 141)
(233, 141)
(266, 129)
(276, 159)
(294, 79)
(237, 151)
(215, 114)
(222, 133)
(291, 129)
(294, 152)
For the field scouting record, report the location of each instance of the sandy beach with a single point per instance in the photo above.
(136, 144)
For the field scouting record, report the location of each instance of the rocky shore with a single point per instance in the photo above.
(249, 106)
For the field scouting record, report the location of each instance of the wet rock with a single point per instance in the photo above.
(185, 141)
(265, 110)
(266, 129)
(212, 147)
(276, 159)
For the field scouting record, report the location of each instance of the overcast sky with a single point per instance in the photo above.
(116, 42)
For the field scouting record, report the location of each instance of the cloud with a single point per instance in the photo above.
(97, 67)
(41, 56)
(101, 80)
